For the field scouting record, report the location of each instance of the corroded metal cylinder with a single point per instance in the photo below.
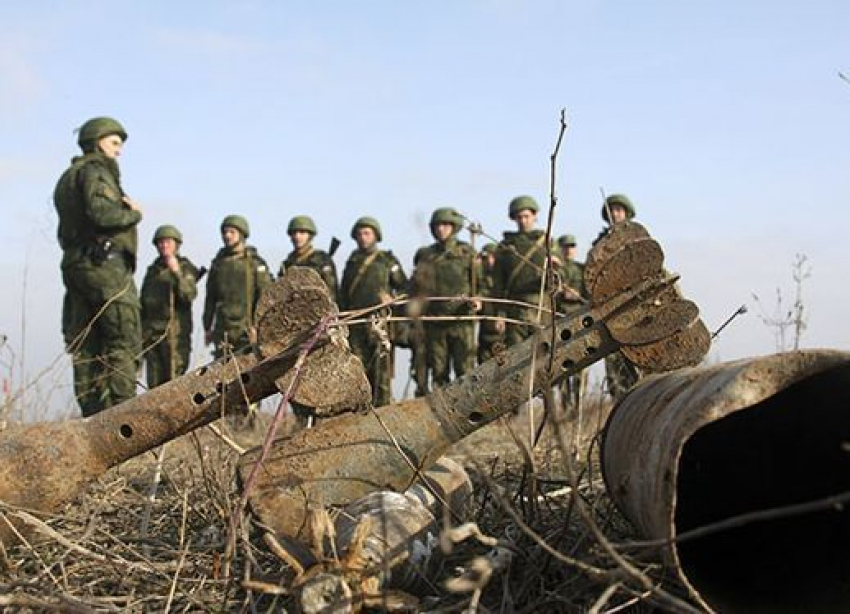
(737, 473)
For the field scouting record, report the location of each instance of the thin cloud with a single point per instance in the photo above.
(21, 84)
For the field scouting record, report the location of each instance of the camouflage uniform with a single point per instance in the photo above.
(236, 279)
(167, 314)
(97, 234)
(488, 333)
(572, 278)
(620, 373)
(446, 269)
(518, 272)
(309, 256)
(371, 276)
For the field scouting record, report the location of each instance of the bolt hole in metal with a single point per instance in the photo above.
(476, 417)
(198, 398)
(568, 364)
(591, 350)
(126, 431)
(566, 333)
(545, 347)
(587, 321)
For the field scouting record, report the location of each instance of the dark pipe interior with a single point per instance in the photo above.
(792, 448)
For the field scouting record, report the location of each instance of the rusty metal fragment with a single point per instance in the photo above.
(347, 457)
(766, 439)
(45, 465)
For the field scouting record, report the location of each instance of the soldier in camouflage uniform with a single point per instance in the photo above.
(301, 231)
(371, 277)
(447, 269)
(518, 271)
(488, 330)
(168, 290)
(573, 298)
(620, 373)
(237, 277)
(98, 236)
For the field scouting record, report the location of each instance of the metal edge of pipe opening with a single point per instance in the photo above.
(728, 423)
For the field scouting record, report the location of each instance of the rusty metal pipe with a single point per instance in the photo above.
(757, 437)
(349, 456)
(47, 464)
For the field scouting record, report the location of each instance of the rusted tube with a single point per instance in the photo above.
(757, 437)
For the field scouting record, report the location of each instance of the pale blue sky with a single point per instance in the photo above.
(724, 121)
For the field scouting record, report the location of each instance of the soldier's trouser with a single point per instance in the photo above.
(228, 342)
(158, 358)
(487, 345)
(620, 374)
(572, 388)
(376, 361)
(451, 347)
(514, 333)
(102, 332)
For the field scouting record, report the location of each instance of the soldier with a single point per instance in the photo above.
(620, 373)
(168, 290)
(301, 231)
(518, 271)
(574, 297)
(446, 269)
(488, 330)
(371, 277)
(98, 236)
(572, 275)
(236, 279)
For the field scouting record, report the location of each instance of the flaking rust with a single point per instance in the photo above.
(634, 305)
(45, 465)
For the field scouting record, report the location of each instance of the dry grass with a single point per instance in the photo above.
(552, 555)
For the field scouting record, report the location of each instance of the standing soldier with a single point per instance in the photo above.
(488, 330)
(301, 231)
(371, 277)
(447, 269)
(168, 290)
(620, 373)
(518, 272)
(574, 297)
(236, 279)
(98, 236)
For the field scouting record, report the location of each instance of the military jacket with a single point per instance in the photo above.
(368, 274)
(88, 200)
(164, 293)
(520, 259)
(234, 284)
(445, 269)
(315, 259)
(572, 276)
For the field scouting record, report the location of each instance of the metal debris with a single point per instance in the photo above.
(735, 473)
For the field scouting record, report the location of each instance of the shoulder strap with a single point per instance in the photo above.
(362, 269)
(525, 261)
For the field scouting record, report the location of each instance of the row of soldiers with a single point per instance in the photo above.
(107, 326)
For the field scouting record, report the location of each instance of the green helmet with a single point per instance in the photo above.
(167, 231)
(97, 128)
(521, 203)
(302, 222)
(618, 199)
(367, 222)
(448, 215)
(238, 222)
(565, 240)
(489, 248)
